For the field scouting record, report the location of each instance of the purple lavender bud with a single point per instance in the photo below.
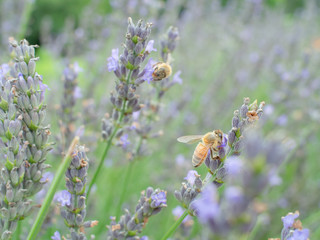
(138, 48)
(243, 111)
(235, 122)
(178, 195)
(31, 68)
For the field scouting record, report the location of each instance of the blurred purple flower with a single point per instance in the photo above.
(124, 141)
(180, 160)
(305, 74)
(47, 177)
(77, 93)
(77, 69)
(149, 47)
(159, 198)
(282, 120)
(63, 197)
(177, 78)
(207, 206)
(178, 211)
(56, 236)
(289, 219)
(191, 176)
(234, 195)
(113, 61)
(80, 131)
(144, 238)
(274, 179)
(268, 109)
(234, 166)
(299, 235)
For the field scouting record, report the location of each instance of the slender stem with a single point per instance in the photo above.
(255, 229)
(25, 18)
(18, 231)
(175, 226)
(124, 187)
(49, 196)
(109, 142)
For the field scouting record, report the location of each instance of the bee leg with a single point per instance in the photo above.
(211, 152)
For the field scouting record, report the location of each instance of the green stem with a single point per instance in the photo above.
(109, 142)
(255, 229)
(124, 187)
(53, 187)
(25, 19)
(18, 231)
(175, 226)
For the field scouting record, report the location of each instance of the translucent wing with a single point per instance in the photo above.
(190, 139)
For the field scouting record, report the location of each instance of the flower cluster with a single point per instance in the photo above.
(142, 120)
(74, 200)
(130, 225)
(71, 92)
(248, 177)
(292, 228)
(127, 69)
(189, 189)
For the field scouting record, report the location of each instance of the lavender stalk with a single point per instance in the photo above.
(130, 225)
(75, 211)
(127, 70)
(13, 203)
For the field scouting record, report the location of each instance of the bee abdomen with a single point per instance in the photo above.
(199, 155)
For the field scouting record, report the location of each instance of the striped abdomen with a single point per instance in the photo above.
(200, 154)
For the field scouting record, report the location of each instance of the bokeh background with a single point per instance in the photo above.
(266, 50)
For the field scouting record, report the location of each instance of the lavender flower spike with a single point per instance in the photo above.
(29, 93)
(74, 212)
(130, 225)
(13, 203)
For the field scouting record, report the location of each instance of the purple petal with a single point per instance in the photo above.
(149, 47)
(56, 236)
(113, 61)
(289, 219)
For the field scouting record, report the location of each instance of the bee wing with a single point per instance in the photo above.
(190, 139)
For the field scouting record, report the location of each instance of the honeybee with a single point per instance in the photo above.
(161, 70)
(210, 141)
